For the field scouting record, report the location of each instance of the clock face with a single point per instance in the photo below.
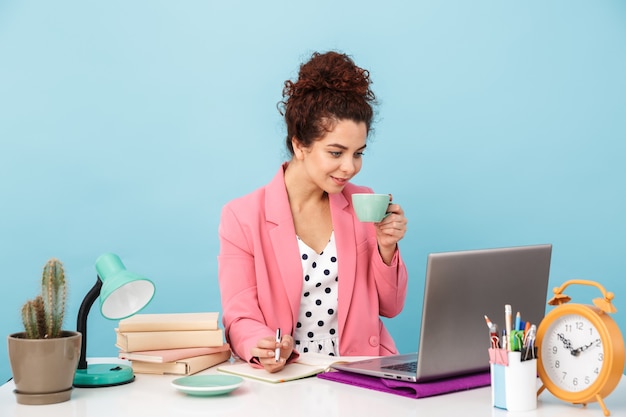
(572, 353)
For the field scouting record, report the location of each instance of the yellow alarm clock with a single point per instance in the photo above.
(580, 348)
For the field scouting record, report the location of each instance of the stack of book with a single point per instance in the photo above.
(172, 343)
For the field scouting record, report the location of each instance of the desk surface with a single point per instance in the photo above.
(153, 396)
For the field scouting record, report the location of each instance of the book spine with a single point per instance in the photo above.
(170, 355)
(137, 341)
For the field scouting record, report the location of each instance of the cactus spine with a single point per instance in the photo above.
(43, 316)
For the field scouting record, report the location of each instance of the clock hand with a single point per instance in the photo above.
(576, 352)
(566, 343)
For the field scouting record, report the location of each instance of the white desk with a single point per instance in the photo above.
(153, 396)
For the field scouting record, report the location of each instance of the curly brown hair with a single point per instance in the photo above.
(329, 88)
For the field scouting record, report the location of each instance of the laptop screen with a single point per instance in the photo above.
(461, 288)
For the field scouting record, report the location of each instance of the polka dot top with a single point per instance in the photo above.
(316, 330)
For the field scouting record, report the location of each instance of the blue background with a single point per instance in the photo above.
(125, 127)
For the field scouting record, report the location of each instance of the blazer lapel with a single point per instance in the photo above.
(343, 224)
(282, 234)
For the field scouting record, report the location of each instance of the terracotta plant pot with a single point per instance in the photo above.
(43, 369)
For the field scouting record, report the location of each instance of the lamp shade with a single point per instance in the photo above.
(123, 293)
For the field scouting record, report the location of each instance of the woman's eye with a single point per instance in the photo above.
(359, 154)
(335, 154)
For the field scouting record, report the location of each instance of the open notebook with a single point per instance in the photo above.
(461, 288)
(307, 364)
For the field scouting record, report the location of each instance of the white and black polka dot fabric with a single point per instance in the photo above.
(316, 330)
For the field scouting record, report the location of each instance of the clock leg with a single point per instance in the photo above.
(601, 402)
(541, 390)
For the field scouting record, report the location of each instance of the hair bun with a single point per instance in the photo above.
(329, 88)
(330, 71)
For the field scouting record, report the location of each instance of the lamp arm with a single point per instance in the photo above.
(81, 323)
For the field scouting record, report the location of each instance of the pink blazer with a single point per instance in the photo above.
(260, 273)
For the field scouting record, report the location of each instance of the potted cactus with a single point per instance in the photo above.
(44, 356)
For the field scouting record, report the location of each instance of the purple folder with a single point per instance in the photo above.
(410, 389)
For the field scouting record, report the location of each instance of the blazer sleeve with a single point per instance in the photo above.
(243, 320)
(391, 283)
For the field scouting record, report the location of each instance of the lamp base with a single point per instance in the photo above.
(103, 375)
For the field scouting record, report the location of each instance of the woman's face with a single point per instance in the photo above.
(333, 160)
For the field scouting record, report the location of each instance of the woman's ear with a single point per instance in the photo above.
(298, 148)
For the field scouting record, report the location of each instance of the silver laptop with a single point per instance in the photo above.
(461, 288)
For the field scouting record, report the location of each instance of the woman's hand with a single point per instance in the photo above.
(265, 351)
(390, 230)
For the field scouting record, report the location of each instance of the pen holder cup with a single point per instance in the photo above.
(513, 380)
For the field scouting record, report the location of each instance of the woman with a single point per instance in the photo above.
(293, 255)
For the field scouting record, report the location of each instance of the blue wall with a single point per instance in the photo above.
(125, 126)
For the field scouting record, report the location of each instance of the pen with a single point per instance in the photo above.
(507, 322)
(489, 323)
(518, 321)
(277, 354)
(493, 332)
(530, 336)
(529, 342)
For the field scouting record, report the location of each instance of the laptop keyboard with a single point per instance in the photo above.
(406, 366)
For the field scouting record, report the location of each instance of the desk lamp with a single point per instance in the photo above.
(122, 293)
